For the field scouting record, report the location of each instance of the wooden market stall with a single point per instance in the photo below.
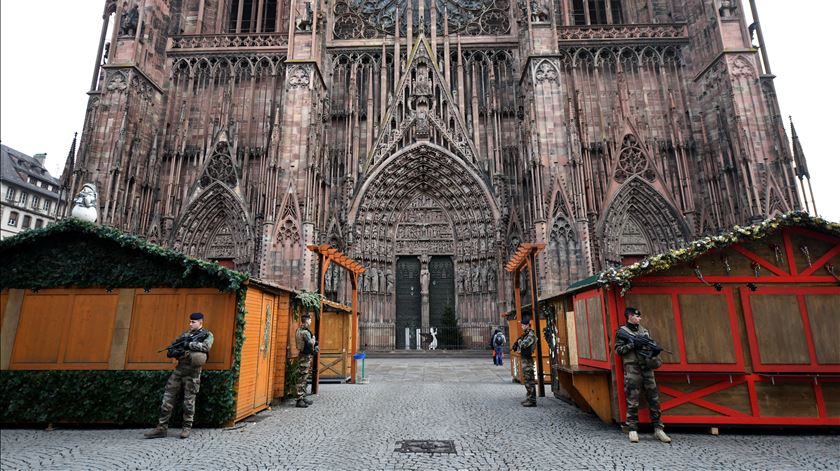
(337, 348)
(525, 259)
(84, 310)
(751, 317)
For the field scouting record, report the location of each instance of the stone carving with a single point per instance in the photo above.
(633, 161)
(220, 166)
(622, 32)
(228, 41)
(128, 22)
(378, 18)
(546, 71)
(539, 12)
(298, 76)
(85, 203)
(304, 22)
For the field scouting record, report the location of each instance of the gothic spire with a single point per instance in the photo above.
(798, 155)
(64, 182)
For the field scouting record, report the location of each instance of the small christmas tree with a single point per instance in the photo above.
(450, 335)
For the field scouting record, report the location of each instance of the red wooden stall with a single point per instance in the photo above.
(752, 319)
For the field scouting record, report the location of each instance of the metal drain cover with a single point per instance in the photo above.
(425, 446)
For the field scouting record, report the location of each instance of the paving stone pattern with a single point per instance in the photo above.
(466, 400)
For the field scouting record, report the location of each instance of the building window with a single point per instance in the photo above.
(597, 12)
(35, 201)
(47, 204)
(39, 223)
(27, 221)
(10, 194)
(23, 198)
(13, 217)
(243, 16)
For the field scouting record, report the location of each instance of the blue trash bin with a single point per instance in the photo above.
(361, 356)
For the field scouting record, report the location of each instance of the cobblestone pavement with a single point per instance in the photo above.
(466, 400)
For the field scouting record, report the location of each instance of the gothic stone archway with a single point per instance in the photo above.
(424, 201)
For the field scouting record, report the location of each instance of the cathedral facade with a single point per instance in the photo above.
(427, 139)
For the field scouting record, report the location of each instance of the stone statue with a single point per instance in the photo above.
(128, 22)
(389, 282)
(491, 280)
(424, 281)
(461, 280)
(476, 283)
(373, 285)
(304, 23)
(84, 204)
(539, 12)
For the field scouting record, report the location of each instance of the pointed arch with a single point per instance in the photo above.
(564, 248)
(216, 225)
(639, 221)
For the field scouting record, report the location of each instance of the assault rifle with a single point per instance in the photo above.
(645, 346)
(178, 346)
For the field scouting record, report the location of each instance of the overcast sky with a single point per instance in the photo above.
(48, 48)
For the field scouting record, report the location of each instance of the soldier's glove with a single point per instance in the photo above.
(515, 346)
(317, 348)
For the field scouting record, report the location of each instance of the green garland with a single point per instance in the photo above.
(308, 301)
(105, 257)
(621, 276)
(76, 253)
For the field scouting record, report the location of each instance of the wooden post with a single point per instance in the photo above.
(354, 323)
(532, 273)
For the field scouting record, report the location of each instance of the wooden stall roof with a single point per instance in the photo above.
(622, 276)
(336, 307)
(518, 258)
(337, 257)
(58, 233)
(270, 287)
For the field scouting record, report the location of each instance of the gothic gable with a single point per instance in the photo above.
(422, 110)
(639, 221)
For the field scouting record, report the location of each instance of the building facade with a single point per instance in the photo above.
(428, 138)
(30, 195)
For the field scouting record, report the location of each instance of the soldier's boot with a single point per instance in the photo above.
(660, 435)
(308, 401)
(185, 431)
(634, 436)
(301, 403)
(158, 432)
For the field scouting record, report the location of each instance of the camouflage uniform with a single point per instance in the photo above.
(636, 377)
(526, 344)
(305, 341)
(186, 376)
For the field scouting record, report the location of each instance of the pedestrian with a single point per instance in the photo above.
(307, 346)
(497, 343)
(638, 374)
(191, 349)
(525, 346)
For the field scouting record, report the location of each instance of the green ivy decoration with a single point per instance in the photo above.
(621, 277)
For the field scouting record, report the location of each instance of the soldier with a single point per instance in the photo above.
(525, 346)
(191, 349)
(638, 375)
(307, 346)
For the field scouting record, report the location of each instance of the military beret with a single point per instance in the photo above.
(631, 311)
(525, 320)
(196, 316)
